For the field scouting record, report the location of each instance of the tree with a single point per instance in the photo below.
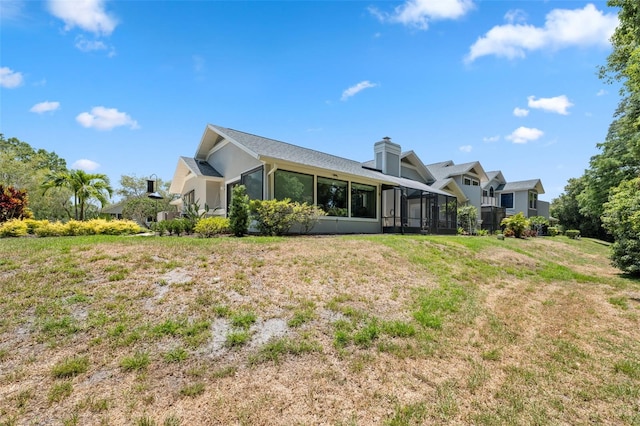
(468, 218)
(136, 204)
(239, 211)
(85, 187)
(566, 208)
(25, 168)
(622, 219)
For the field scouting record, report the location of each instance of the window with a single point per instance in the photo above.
(253, 182)
(484, 193)
(189, 198)
(294, 186)
(491, 193)
(506, 200)
(533, 200)
(469, 182)
(363, 200)
(332, 196)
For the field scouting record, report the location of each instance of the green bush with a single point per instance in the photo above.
(307, 216)
(175, 226)
(572, 233)
(516, 223)
(210, 226)
(13, 228)
(277, 217)
(273, 217)
(239, 211)
(552, 231)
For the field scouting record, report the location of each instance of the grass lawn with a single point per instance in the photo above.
(337, 330)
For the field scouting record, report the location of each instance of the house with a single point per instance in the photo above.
(113, 211)
(463, 180)
(491, 211)
(389, 194)
(501, 199)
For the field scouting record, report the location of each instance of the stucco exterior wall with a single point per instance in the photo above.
(232, 161)
(521, 202)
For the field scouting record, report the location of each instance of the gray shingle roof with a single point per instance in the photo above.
(447, 169)
(523, 185)
(200, 168)
(265, 148)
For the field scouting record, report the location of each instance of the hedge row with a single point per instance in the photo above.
(44, 228)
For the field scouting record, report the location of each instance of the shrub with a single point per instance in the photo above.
(174, 226)
(44, 228)
(49, 229)
(76, 227)
(572, 233)
(467, 219)
(239, 211)
(516, 223)
(13, 228)
(508, 233)
(13, 204)
(552, 231)
(210, 226)
(307, 216)
(538, 224)
(273, 217)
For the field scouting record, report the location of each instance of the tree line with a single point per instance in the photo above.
(605, 201)
(37, 183)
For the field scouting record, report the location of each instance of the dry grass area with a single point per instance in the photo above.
(354, 330)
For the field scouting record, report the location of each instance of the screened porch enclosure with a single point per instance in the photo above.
(408, 210)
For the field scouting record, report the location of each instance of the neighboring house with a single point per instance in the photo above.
(463, 180)
(113, 210)
(522, 196)
(492, 212)
(501, 199)
(389, 194)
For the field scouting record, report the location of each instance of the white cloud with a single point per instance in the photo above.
(418, 13)
(491, 139)
(85, 45)
(351, 91)
(10, 79)
(601, 92)
(515, 15)
(89, 15)
(520, 112)
(45, 107)
(525, 134)
(86, 165)
(102, 118)
(563, 28)
(557, 104)
(466, 148)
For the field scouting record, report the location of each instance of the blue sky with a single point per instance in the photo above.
(125, 87)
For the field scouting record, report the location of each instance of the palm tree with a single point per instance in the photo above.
(85, 186)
